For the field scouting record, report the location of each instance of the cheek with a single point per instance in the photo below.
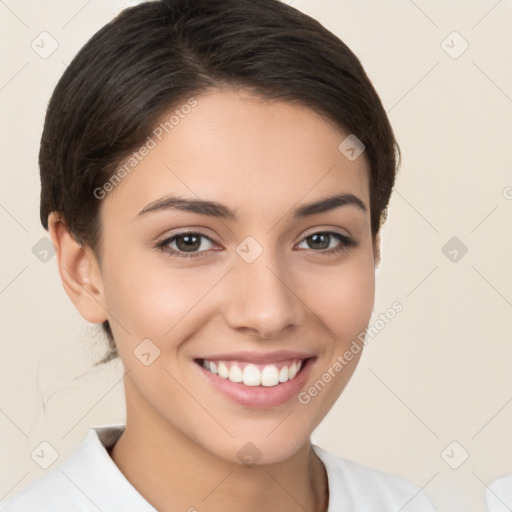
(354, 302)
(344, 304)
(342, 296)
(149, 297)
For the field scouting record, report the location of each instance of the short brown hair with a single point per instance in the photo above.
(158, 54)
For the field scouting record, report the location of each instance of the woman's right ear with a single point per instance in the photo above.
(79, 272)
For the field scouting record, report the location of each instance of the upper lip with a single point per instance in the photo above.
(259, 357)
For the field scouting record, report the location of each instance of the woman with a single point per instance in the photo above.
(214, 178)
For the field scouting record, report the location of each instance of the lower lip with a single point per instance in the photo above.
(260, 397)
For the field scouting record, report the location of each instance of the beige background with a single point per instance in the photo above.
(439, 372)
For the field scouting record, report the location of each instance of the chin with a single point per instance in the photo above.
(261, 448)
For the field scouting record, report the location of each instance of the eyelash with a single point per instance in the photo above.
(347, 243)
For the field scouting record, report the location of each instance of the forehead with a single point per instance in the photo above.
(249, 153)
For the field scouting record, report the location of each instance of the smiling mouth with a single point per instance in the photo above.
(248, 374)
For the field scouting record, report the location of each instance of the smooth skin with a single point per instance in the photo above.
(262, 159)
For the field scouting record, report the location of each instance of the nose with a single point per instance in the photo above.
(263, 297)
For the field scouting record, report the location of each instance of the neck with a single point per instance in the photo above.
(173, 473)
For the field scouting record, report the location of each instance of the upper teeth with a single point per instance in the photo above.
(251, 375)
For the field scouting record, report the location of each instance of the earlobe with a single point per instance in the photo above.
(79, 272)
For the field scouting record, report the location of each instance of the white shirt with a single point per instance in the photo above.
(498, 495)
(88, 480)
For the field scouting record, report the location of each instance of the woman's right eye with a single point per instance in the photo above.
(185, 245)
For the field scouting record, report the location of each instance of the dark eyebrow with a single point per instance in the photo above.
(329, 203)
(215, 209)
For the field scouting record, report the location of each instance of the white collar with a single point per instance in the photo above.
(90, 480)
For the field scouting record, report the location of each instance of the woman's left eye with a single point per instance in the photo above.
(323, 239)
(188, 244)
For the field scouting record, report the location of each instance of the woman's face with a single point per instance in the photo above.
(252, 292)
